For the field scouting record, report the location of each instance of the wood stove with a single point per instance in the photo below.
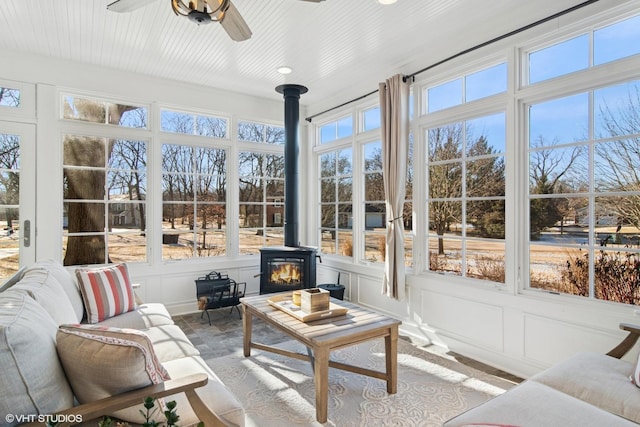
(284, 268)
(289, 267)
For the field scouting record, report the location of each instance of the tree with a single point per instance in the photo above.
(9, 96)
(445, 179)
(10, 180)
(618, 161)
(130, 156)
(81, 184)
(258, 173)
(336, 189)
(548, 167)
(485, 178)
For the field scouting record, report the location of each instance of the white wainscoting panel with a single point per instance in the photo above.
(370, 294)
(550, 340)
(478, 323)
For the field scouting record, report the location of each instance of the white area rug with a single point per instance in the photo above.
(278, 391)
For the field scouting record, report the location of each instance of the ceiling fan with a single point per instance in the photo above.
(200, 12)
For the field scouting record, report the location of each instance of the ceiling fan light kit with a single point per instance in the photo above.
(200, 12)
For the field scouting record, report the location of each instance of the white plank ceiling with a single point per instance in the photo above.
(339, 49)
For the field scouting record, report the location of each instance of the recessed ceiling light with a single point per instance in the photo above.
(284, 70)
(387, 1)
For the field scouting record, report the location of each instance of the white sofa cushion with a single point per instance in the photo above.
(33, 381)
(170, 343)
(48, 292)
(597, 379)
(215, 394)
(532, 404)
(68, 283)
(143, 317)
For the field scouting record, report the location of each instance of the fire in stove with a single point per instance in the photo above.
(285, 268)
(285, 274)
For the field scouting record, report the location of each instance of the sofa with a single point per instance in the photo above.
(588, 389)
(79, 344)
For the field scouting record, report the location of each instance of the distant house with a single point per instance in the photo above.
(275, 212)
(123, 214)
(604, 217)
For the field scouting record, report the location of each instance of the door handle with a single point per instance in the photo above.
(26, 233)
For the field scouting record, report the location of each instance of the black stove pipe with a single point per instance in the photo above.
(291, 94)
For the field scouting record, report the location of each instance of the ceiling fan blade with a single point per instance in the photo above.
(123, 6)
(234, 24)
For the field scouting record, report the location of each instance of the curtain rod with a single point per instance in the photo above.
(464, 52)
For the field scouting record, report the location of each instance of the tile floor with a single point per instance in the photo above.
(224, 337)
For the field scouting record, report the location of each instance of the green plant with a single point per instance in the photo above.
(150, 411)
(170, 414)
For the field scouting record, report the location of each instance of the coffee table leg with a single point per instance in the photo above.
(321, 379)
(391, 358)
(246, 331)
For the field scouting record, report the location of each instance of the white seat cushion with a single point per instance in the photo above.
(598, 379)
(215, 394)
(532, 404)
(170, 343)
(144, 316)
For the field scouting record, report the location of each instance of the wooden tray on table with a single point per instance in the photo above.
(284, 302)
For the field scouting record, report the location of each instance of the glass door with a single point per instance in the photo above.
(17, 197)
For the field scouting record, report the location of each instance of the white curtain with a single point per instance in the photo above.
(394, 111)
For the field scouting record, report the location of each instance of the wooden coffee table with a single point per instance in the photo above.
(323, 336)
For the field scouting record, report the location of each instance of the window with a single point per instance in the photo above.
(616, 41)
(474, 86)
(560, 59)
(261, 201)
(17, 100)
(374, 204)
(371, 119)
(9, 97)
(97, 111)
(336, 202)
(105, 184)
(104, 200)
(261, 187)
(9, 200)
(194, 189)
(466, 204)
(341, 128)
(407, 213)
(193, 124)
(257, 132)
(584, 194)
(601, 46)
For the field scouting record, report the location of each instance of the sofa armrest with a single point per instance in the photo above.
(629, 341)
(135, 287)
(187, 384)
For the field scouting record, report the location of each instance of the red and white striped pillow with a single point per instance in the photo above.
(106, 291)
